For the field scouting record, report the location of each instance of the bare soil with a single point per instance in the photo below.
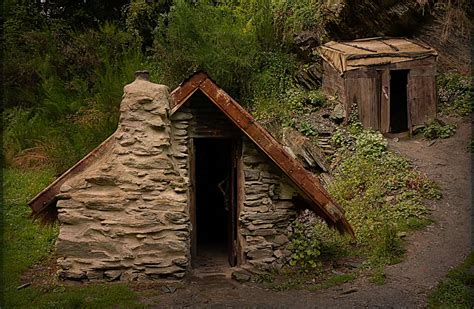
(430, 254)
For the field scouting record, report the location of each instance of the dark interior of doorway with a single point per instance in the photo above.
(213, 167)
(398, 101)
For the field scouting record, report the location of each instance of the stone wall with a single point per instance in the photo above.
(267, 210)
(126, 216)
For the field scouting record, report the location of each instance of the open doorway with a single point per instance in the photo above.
(215, 199)
(398, 101)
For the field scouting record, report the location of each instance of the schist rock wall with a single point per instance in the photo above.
(126, 216)
(267, 211)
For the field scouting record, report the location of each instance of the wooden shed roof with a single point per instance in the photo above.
(351, 55)
(314, 193)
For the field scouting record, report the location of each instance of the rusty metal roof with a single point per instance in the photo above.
(351, 55)
(47, 197)
(314, 193)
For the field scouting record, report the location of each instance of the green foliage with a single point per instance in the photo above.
(371, 144)
(213, 38)
(436, 129)
(80, 77)
(142, 17)
(455, 94)
(457, 290)
(294, 16)
(307, 129)
(304, 246)
(380, 192)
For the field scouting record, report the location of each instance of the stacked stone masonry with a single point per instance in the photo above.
(267, 210)
(126, 217)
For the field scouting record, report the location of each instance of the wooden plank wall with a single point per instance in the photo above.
(333, 82)
(363, 87)
(208, 120)
(422, 96)
(422, 92)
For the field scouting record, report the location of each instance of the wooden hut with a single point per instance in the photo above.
(391, 80)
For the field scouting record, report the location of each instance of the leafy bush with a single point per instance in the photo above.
(294, 16)
(381, 193)
(371, 144)
(437, 129)
(454, 92)
(80, 82)
(213, 38)
(304, 246)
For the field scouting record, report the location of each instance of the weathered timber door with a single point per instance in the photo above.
(233, 198)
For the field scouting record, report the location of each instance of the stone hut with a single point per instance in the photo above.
(185, 175)
(392, 81)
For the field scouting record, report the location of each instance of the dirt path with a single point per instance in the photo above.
(430, 253)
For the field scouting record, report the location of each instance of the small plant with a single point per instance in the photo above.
(436, 129)
(371, 144)
(307, 129)
(305, 247)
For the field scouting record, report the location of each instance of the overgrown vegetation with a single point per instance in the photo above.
(454, 93)
(457, 290)
(380, 191)
(382, 195)
(64, 78)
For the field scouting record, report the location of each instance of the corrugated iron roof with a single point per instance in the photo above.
(314, 193)
(351, 55)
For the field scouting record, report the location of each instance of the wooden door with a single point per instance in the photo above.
(192, 198)
(232, 215)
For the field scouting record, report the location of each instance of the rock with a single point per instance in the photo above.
(241, 275)
(156, 122)
(65, 188)
(181, 116)
(251, 174)
(260, 254)
(280, 240)
(338, 114)
(102, 180)
(349, 291)
(113, 275)
(282, 253)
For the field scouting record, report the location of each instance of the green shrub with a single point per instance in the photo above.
(454, 93)
(436, 129)
(80, 83)
(213, 38)
(304, 246)
(294, 16)
(380, 192)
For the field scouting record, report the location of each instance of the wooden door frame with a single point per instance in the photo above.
(239, 181)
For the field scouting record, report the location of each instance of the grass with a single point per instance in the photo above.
(457, 290)
(26, 244)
